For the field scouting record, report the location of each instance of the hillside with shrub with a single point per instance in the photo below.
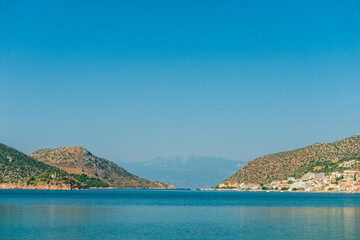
(319, 157)
(78, 160)
(20, 171)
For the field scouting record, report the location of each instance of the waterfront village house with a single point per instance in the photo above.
(283, 185)
(250, 186)
(351, 174)
(309, 176)
(349, 163)
(301, 185)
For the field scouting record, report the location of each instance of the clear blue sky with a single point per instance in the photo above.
(133, 80)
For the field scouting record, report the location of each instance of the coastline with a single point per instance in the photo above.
(6, 186)
(269, 191)
(57, 188)
(19, 186)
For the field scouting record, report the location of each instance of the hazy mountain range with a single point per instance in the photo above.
(185, 172)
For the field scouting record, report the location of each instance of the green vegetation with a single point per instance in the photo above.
(16, 165)
(339, 178)
(227, 187)
(284, 188)
(89, 181)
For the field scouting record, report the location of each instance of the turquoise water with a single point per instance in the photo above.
(173, 214)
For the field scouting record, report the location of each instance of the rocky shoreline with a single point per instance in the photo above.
(25, 186)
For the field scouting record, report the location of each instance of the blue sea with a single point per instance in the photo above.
(177, 214)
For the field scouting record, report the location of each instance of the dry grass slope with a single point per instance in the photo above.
(297, 162)
(77, 160)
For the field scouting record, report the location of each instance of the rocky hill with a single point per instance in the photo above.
(319, 157)
(19, 171)
(77, 160)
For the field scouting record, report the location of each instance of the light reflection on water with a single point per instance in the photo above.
(44, 218)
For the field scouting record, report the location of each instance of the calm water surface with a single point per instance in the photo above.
(174, 214)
